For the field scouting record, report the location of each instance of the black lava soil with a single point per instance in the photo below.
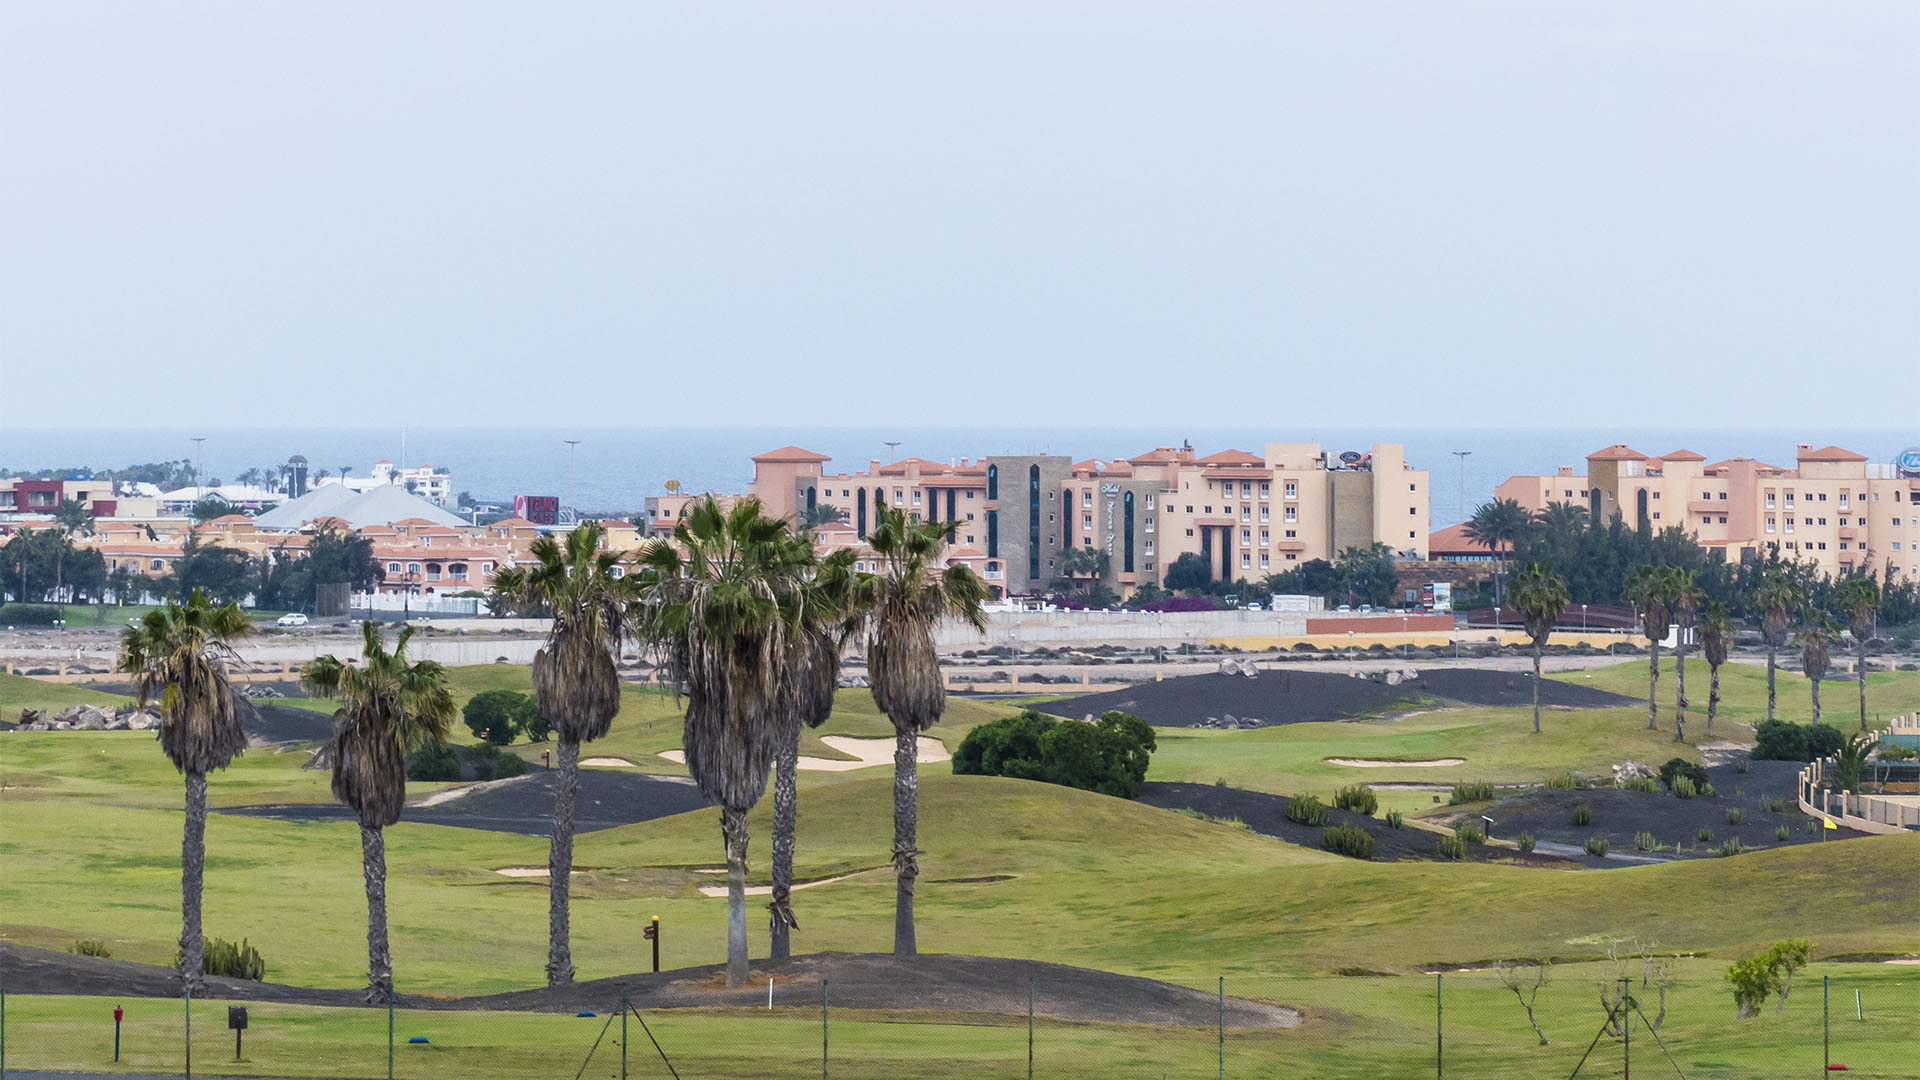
(524, 804)
(1297, 697)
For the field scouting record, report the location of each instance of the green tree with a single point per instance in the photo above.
(180, 654)
(575, 684)
(223, 573)
(1716, 634)
(1684, 598)
(1188, 573)
(906, 600)
(1499, 525)
(1816, 652)
(498, 715)
(209, 508)
(1368, 574)
(1541, 596)
(720, 600)
(1651, 589)
(389, 707)
(76, 517)
(1778, 601)
(1857, 600)
(1757, 978)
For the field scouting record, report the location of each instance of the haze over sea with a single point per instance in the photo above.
(616, 468)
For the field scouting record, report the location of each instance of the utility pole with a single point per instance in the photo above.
(574, 514)
(1462, 455)
(199, 474)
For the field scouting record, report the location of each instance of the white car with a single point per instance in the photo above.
(292, 618)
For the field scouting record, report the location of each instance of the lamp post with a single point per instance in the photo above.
(571, 443)
(1462, 455)
(199, 474)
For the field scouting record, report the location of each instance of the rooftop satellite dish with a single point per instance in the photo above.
(1350, 456)
(673, 486)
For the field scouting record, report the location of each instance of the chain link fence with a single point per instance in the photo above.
(1571, 1021)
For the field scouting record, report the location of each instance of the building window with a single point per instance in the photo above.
(1413, 510)
(1290, 534)
(1086, 498)
(1293, 514)
(1033, 522)
(1126, 518)
(1291, 557)
(1292, 490)
(392, 568)
(1770, 525)
(993, 481)
(993, 533)
(1265, 560)
(1086, 521)
(1264, 515)
(1264, 486)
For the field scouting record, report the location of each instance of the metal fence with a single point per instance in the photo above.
(1468, 1024)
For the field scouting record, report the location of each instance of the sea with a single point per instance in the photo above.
(613, 470)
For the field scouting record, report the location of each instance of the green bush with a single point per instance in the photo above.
(1307, 810)
(1452, 847)
(1470, 793)
(1567, 780)
(29, 614)
(499, 716)
(1350, 840)
(1782, 833)
(1229, 822)
(90, 947)
(1109, 756)
(1582, 814)
(1642, 783)
(1733, 815)
(433, 761)
(1394, 819)
(1741, 766)
(1784, 740)
(491, 764)
(1597, 846)
(1469, 833)
(1683, 788)
(1524, 841)
(1359, 798)
(1731, 846)
(1643, 841)
(1678, 767)
(1705, 836)
(1773, 806)
(224, 958)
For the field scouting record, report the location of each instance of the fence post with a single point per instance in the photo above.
(186, 996)
(389, 1033)
(1029, 1027)
(1826, 1025)
(823, 1029)
(1222, 1028)
(1439, 1031)
(623, 1033)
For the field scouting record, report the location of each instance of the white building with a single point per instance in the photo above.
(425, 481)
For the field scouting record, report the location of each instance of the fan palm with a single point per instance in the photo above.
(1858, 600)
(575, 683)
(1541, 595)
(1778, 601)
(1499, 525)
(824, 618)
(1684, 597)
(1816, 644)
(905, 600)
(1649, 588)
(1716, 633)
(389, 707)
(721, 601)
(181, 653)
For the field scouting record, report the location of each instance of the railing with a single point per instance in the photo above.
(1865, 813)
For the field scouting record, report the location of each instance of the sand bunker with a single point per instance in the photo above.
(1380, 763)
(447, 795)
(867, 754)
(609, 762)
(526, 871)
(767, 890)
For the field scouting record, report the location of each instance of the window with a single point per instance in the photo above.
(1656, 496)
(1086, 498)
(1189, 509)
(1656, 513)
(1293, 513)
(1770, 525)
(1246, 489)
(1723, 496)
(1149, 547)
(1246, 513)
(1823, 496)
(1413, 510)
(1823, 521)
(1189, 532)
(898, 497)
(1823, 545)
(161, 564)
(1265, 560)
(1843, 521)
(1843, 545)
(1770, 504)
(1149, 502)
(392, 568)
(1264, 515)
(1265, 537)
(1264, 485)
(1246, 561)
(1291, 556)
(916, 496)
(1292, 489)
(1246, 536)
(1410, 535)
(1086, 521)
(1290, 534)
(1208, 509)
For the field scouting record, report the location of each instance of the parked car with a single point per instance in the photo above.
(292, 618)
(1344, 608)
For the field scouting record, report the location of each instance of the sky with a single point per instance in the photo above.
(1472, 213)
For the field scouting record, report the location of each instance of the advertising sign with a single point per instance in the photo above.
(539, 509)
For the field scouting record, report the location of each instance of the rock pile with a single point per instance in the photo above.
(89, 718)
(256, 691)
(1632, 770)
(1230, 722)
(1230, 666)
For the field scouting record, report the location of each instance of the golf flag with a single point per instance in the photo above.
(1827, 823)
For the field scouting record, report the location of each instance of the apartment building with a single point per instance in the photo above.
(1833, 506)
(1247, 515)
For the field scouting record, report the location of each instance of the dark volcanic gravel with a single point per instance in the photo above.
(524, 804)
(287, 724)
(1295, 697)
(933, 982)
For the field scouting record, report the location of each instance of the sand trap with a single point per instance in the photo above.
(767, 890)
(440, 798)
(610, 762)
(1377, 763)
(1910, 960)
(868, 752)
(527, 871)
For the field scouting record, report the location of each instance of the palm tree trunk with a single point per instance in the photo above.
(1653, 680)
(560, 865)
(785, 812)
(1713, 697)
(1862, 666)
(193, 868)
(906, 857)
(1538, 648)
(1770, 669)
(1680, 699)
(373, 864)
(733, 830)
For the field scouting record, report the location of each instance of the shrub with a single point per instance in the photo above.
(1469, 793)
(1683, 788)
(1705, 836)
(498, 716)
(1394, 819)
(1678, 767)
(1566, 781)
(1646, 784)
(1773, 806)
(1469, 833)
(224, 958)
(1350, 840)
(1733, 815)
(29, 614)
(433, 761)
(491, 764)
(1706, 791)
(1452, 847)
(1783, 740)
(1229, 822)
(90, 947)
(1306, 810)
(1731, 846)
(1525, 841)
(1582, 814)
(1643, 841)
(1741, 766)
(1359, 798)
(1108, 756)
(1782, 833)
(1597, 846)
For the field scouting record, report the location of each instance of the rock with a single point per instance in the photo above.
(1393, 678)
(1228, 667)
(1629, 770)
(30, 716)
(85, 717)
(142, 721)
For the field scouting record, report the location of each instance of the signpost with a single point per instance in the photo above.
(652, 933)
(118, 1013)
(237, 1020)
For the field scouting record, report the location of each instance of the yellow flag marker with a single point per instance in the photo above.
(1827, 822)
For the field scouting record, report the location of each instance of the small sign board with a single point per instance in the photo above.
(237, 1017)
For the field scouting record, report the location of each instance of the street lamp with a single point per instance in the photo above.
(1462, 455)
(571, 443)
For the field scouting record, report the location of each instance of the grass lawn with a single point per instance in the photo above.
(25, 692)
(1743, 693)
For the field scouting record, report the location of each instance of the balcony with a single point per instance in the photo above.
(1706, 506)
(1849, 533)
(1289, 545)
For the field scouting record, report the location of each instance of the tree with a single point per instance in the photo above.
(1816, 645)
(498, 715)
(1499, 525)
(1716, 634)
(209, 508)
(1188, 573)
(822, 514)
(180, 653)
(1683, 600)
(1857, 600)
(388, 708)
(76, 517)
(223, 573)
(1777, 600)
(1757, 978)
(575, 684)
(1526, 988)
(1368, 573)
(1087, 563)
(1651, 588)
(720, 601)
(906, 600)
(1541, 596)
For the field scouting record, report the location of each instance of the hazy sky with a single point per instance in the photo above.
(1502, 213)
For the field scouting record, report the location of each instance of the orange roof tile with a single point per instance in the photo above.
(1617, 452)
(1830, 453)
(1232, 457)
(791, 454)
(1682, 455)
(1453, 538)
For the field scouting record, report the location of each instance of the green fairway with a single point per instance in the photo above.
(24, 692)
(1743, 693)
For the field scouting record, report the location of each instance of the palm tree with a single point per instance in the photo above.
(1858, 599)
(825, 618)
(390, 707)
(1716, 633)
(724, 612)
(911, 594)
(1541, 595)
(1777, 600)
(1683, 600)
(1649, 588)
(1498, 525)
(181, 653)
(575, 683)
(1816, 643)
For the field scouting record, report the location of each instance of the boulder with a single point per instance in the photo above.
(142, 721)
(1394, 678)
(1629, 770)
